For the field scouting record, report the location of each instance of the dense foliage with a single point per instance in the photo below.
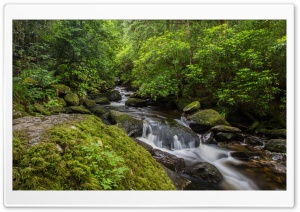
(85, 155)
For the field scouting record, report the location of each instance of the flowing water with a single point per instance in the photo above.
(168, 131)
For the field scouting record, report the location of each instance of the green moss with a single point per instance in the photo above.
(72, 99)
(182, 102)
(40, 108)
(61, 89)
(89, 103)
(194, 106)
(85, 155)
(102, 101)
(78, 109)
(208, 118)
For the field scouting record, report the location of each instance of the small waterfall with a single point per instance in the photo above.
(169, 134)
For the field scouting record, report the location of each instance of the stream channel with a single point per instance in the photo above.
(159, 123)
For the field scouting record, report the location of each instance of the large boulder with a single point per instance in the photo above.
(72, 99)
(276, 145)
(135, 102)
(132, 126)
(204, 171)
(97, 111)
(192, 107)
(168, 160)
(113, 95)
(203, 120)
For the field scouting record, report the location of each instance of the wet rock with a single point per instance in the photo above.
(134, 102)
(224, 128)
(170, 134)
(203, 120)
(146, 146)
(204, 171)
(253, 140)
(78, 109)
(168, 160)
(220, 136)
(113, 95)
(208, 138)
(182, 102)
(72, 99)
(132, 126)
(244, 156)
(97, 111)
(192, 107)
(276, 145)
(179, 182)
(102, 101)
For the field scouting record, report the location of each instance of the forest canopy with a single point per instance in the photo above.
(230, 64)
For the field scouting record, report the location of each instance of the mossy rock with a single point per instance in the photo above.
(78, 109)
(203, 120)
(89, 103)
(225, 128)
(204, 171)
(40, 108)
(134, 102)
(61, 89)
(19, 114)
(102, 101)
(111, 95)
(61, 102)
(192, 107)
(85, 155)
(275, 133)
(72, 99)
(276, 145)
(132, 126)
(97, 111)
(182, 102)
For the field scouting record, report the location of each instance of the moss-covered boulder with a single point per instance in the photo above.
(132, 126)
(274, 133)
(192, 107)
(182, 102)
(89, 103)
(225, 128)
(97, 111)
(85, 154)
(102, 101)
(203, 120)
(61, 89)
(40, 108)
(61, 102)
(78, 109)
(204, 171)
(276, 145)
(223, 136)
(113, 95)
(134, 102)
(72, 99)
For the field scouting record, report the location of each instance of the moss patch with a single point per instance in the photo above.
(78, 109)
(102, 101)
(208, 118)
(72, 99)
(89, 103)
(192, 107)
(85, 155)
(40, 108)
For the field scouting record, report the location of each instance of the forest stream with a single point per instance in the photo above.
(167, 131)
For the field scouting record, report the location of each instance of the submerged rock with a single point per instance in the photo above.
(168, 160)
(204, 171)
(134, 102)
(192, 107)
(202, 120)
(132, 126)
